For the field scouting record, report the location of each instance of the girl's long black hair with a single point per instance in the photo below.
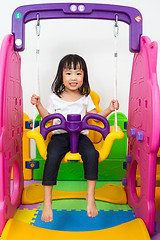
(70, 61)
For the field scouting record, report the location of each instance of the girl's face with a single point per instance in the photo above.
(73, 78)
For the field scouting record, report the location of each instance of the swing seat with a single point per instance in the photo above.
(103, 146)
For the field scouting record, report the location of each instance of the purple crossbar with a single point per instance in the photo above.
(129, 15)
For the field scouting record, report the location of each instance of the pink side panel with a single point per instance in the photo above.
(144, 117)
(11, 130)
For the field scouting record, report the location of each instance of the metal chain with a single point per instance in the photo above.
(38, 26)
(116, 27)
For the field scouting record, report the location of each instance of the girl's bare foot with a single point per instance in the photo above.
(47, 213)
(91, 206)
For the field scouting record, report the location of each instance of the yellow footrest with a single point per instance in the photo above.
(109, 193)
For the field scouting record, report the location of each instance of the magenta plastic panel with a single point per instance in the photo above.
(11, 130)
(143, 131)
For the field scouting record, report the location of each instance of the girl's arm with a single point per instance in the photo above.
(114, 104)
(35, 100)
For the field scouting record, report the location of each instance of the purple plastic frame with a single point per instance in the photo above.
(129, 15)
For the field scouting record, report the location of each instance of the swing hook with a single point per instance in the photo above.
(38, 27)
(116, 27)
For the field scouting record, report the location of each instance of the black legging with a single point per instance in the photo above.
(59, 146)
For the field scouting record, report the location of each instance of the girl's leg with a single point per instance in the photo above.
(56, 150)
(47, 213)
(90, 162)
(91, 204)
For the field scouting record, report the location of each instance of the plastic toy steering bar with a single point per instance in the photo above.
(74, 125)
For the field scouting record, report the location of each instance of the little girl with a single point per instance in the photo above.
(70, 96)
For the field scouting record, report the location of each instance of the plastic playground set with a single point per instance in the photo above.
(127, 193)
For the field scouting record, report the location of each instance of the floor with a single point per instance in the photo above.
(70, 215)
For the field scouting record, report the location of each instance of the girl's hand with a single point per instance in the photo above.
(114, 104)
(35, 100)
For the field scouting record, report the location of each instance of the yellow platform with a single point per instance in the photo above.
(134, 230)
(109, 192)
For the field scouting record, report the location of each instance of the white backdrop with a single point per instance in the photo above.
(92, 39)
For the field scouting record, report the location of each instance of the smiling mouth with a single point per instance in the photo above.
(73, 84)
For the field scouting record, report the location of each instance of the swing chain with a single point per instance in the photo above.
(38, 26)
(116, 27)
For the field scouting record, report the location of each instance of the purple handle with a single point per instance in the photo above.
(27, 13)
(104, 131)
(74, 126)
(44, 131)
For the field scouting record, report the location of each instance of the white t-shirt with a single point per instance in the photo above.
(81, 106)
